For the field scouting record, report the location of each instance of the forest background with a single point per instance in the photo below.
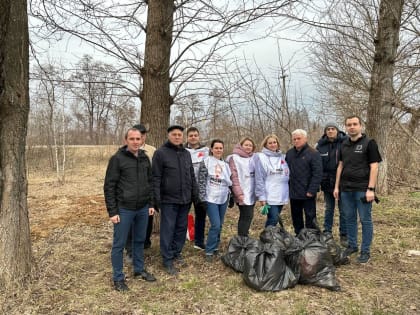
(162, 62)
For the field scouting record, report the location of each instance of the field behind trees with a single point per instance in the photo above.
(71, 240)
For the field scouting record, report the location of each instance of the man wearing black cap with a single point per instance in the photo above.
(328, 146)
(149, 150)
(174, 188)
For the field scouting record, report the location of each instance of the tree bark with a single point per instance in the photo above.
(381, 96)
(15, 242)
(155, 96)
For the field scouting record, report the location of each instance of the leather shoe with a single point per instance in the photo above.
(180, 261)
(170, 269)
(145, 276)
(120, 286)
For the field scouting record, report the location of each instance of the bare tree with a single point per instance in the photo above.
(366, 55)
(48, 115)
(381, 96)
(181, 38)
(97, 87)
(15, 241)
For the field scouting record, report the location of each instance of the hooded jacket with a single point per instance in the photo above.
(173, 175)
(128, 181)
(329, 151)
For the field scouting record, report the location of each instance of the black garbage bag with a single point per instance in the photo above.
(316, 264)
(236, 251)
(336, 252)
(266, 270)
(290, 245)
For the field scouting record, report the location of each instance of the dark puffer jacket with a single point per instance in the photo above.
(329, 154)
(128, 181)
(305, 171)
(173, 176)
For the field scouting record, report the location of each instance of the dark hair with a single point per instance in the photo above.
(213, 142)
(192, 129)
(353, 116)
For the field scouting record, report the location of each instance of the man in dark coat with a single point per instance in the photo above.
(305, 177)
(328, 146)
(174, 188)
(128, 199)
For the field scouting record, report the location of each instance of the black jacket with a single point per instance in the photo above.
(329, 153)
(128, 181)
(173, 176)
(305, 171)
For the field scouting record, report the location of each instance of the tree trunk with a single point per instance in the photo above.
(15, 241)
(155, 96)
(381, 96)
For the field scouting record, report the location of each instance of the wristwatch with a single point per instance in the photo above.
(371, 188)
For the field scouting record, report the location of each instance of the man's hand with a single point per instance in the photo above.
(370, 195)
(336, 193)
(308, 194)
(115, 219)
(151, 211)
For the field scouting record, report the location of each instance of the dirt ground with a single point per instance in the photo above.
(72, 238)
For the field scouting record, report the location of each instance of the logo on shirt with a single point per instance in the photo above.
(359, 148)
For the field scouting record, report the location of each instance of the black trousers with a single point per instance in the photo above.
(246, 214)
(200, 209)
(300, 206)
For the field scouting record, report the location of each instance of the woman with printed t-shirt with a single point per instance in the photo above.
(214, 181)
(272, 178)
(241, 164)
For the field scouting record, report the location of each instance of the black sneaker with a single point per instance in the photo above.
(170, 269)
(350, 250)
(180, 261)
(145, 276)
(120, 286)
(209, 258)
(363, 258)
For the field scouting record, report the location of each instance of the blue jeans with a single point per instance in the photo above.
(173, 230)
(351, 203)
(137, 221)
(216, 214)
(273, 215)
(329, 214)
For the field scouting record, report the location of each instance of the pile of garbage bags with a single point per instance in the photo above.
(279, 260)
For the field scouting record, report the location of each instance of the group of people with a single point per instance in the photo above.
(141, 180)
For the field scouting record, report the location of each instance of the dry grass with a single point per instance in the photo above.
(72, 274)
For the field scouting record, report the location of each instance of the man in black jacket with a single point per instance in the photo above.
(174, 188)
(305, 177)
(128, 198)
(328, 146)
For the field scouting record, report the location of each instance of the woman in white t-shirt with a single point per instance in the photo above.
(272, 178)
(214, 181)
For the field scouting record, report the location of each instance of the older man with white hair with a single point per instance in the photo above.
(305, 166)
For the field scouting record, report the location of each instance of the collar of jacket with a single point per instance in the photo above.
(341, 136)
(173, 146)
